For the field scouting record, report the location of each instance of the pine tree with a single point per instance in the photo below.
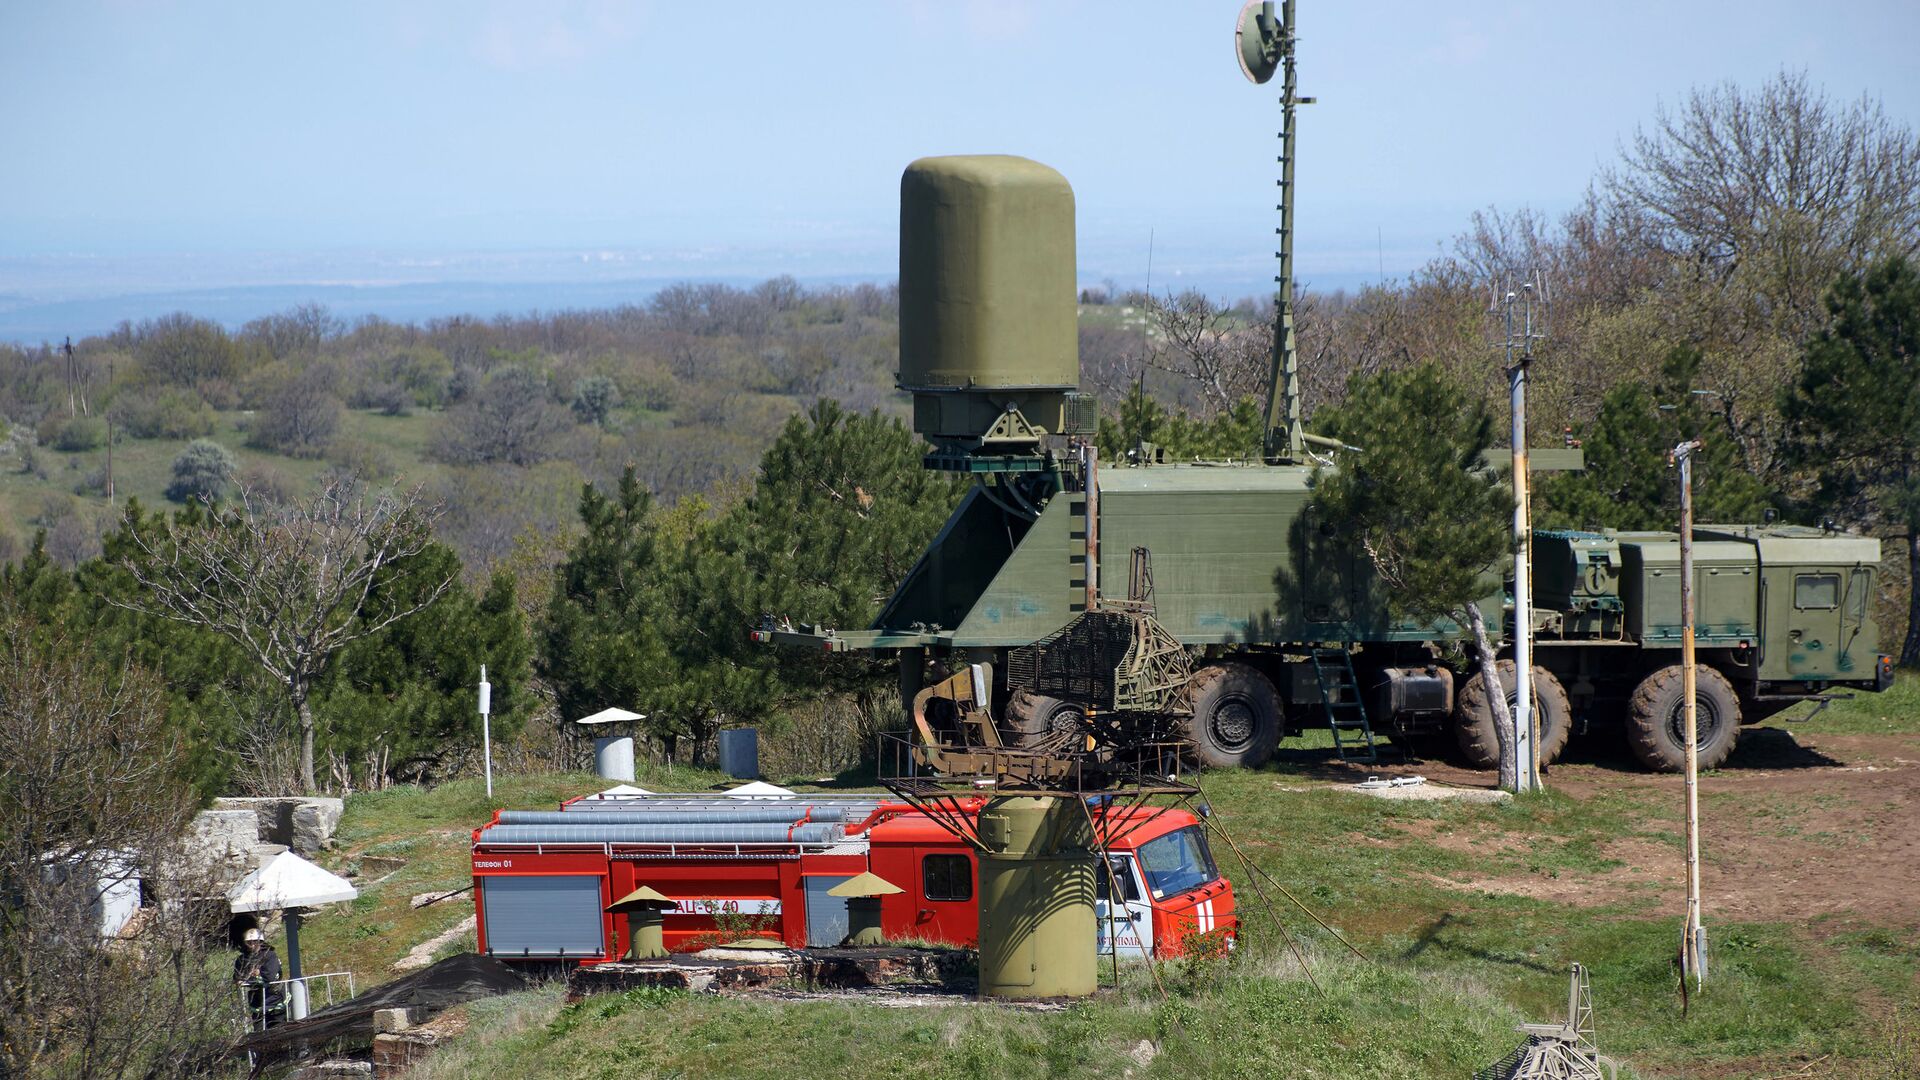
(1853, 414)
(1417, 497)
(1627, 484)
(654, 607)
(600, 640)
(1233, 433)
(400, 704)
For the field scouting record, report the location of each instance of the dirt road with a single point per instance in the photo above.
(1814, 827)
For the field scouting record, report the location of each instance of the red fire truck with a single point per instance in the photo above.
(761, 865)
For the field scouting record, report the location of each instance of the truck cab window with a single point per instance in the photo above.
(946, 877)
(1816, 592)
(1178, 862)
(1122, 872)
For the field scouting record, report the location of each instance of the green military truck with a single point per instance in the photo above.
(1783, 614)
(1282, 620)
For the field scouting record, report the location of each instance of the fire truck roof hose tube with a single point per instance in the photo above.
(743, 816)
(710, 833)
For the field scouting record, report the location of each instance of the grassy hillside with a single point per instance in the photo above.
(383, 448)
(142, 468)
(1472, 914)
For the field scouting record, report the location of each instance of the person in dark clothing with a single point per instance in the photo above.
(257, 972)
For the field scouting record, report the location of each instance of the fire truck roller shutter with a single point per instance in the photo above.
(543, 915)
(826, 915)
(573, 832)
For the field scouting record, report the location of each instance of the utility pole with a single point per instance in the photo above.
(1519, 351)
(1693, 937)
(72, 391)
(109, 417)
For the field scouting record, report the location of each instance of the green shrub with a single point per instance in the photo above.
(79, 433)
(298, 419)
(201, 471)
(171, 414)
(361, 459)
(594, 398)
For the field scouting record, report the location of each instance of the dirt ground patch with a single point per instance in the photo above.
(1799, 828)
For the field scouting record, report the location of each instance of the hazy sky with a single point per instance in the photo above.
(154, 128)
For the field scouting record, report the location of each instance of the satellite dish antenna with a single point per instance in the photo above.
(1256, 41)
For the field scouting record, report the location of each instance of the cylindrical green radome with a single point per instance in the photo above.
(1037, 928)
(987, 290)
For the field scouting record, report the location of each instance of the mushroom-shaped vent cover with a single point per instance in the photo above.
(642, 899)
(867, 884)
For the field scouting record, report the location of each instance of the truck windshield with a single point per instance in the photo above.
(1177, 862)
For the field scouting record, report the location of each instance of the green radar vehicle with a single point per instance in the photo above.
(1245, 616)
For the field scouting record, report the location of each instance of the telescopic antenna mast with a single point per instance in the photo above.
(1264, 45)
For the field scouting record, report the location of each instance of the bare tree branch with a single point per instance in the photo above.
(1202, 341)
(94, 792)
(290, 583)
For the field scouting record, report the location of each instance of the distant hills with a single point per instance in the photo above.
(44, 298)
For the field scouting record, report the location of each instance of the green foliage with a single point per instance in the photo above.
(298, 416)
(1854, 409)
(652, 608)
(1853, 412)
(184, 351)
(607, 1006)
(1416, 496)
(508, 419)
(201, 471)
(425, 371)
(402, 699)
(600, 640)
(1627, 483)
(594, 398)
(405, 697)
(75, 434)
(210, 687)
(840, 512)
(1233, 434)
(173, 413)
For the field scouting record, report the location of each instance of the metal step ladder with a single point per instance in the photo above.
(1346, 714)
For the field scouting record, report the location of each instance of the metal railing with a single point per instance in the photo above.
(297, 998)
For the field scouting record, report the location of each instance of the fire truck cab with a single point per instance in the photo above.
(761, 865)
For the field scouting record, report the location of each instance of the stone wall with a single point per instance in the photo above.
(237, 835)
(304, 824)
(398, 1045)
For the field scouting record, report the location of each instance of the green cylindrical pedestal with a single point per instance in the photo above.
(646, 936)
(1037, 927)
(863, 922)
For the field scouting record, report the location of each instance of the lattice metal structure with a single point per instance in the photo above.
(1562, 1051)
(1112, 658)
(1076, 662)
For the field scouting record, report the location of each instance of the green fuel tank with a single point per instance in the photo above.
(1037, 927)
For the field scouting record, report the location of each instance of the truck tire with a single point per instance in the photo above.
(1656, 719)
(1236, 716)
(1473, 716)
(1036, 721)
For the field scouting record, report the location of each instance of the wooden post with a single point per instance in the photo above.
(1693, 937)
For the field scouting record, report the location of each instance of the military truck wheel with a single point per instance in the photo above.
(1036, 720)
(1657, 719)
(1236, 716)
(1473, 716)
